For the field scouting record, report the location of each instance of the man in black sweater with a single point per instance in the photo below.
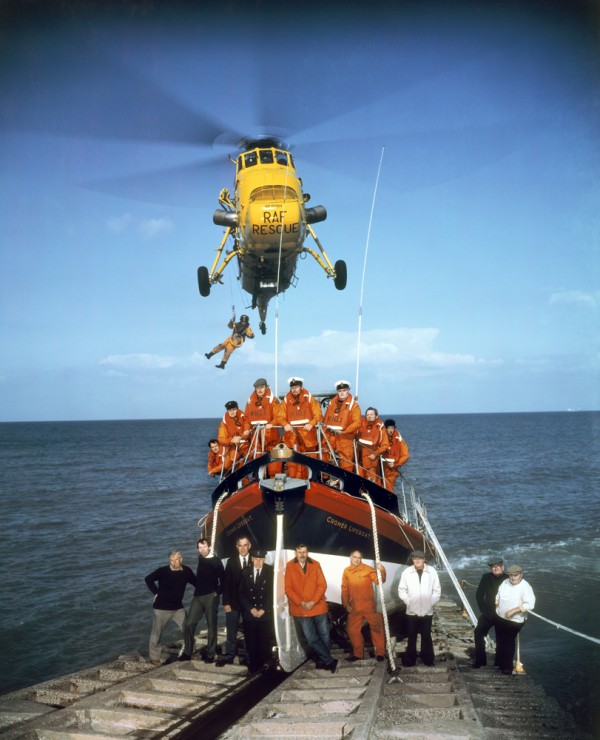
(168, 586)
(209, 586)
(486, 601)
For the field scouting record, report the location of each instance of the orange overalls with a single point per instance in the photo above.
(372, 440)
(341, 421)
(219, 462)
(358, 599)
(396, 455)
(238, 337)
(230, 428)
(260, 411)
(298, 413)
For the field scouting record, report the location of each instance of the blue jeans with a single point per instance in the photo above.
(316, 634)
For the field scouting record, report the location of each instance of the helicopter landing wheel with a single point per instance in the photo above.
(263, 327)
(341, 275)
(203, 282)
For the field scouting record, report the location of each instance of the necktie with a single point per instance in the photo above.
(256, 573)
(244, 564)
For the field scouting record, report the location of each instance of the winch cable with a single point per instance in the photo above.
(388, 640)
(277, 287)
(362, 284)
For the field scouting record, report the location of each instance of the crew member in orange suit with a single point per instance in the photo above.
(231, 433)
(372, 442)
(302, 413)
(263, 410)
(396, 455)
(340, 424)
(219, 461)
(358, 600)
(240, 332)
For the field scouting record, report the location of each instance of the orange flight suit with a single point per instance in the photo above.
(299, 412)
(341, 421)
(372, 440)
(265, 410)
(396, 455)
(358, 599)
(230, 428)
(237, 338)
(219, 462)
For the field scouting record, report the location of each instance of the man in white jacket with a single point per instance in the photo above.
(420, 590)
(514, 599)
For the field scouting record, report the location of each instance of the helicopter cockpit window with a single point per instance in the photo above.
(266, 156)
(273, 194)
(281, 157)
(250, 159)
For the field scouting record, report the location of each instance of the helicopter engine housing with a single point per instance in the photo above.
(315, 214)
(225, 218)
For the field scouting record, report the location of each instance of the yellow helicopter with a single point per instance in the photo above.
(268, 223)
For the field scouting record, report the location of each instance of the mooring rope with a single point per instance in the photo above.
(215, 517)
(388, 639)
(362, 285)
(567, 629)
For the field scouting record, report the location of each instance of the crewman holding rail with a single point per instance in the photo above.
(302, 413)
(340, 424)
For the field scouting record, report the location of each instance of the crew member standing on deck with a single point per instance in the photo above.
(168, 586)
(219, 461)
(231, 433)
(358, 600)
(302, 413)
(240, 332)
(486, 601)
(340, 424)
(420, 590)
(263, 416)
(395, 456)
(514, 599)
(372, 443)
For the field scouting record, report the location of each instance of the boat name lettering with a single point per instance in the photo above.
(336, 523)
(360, 532)
(243, 521)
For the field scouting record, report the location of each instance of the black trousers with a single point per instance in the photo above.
(484, 625)
(415, 626)
(257, 638)
(506, 640)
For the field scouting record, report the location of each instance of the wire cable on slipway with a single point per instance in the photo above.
(567, 629)
(362, 284)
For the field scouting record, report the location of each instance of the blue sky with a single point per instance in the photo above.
(481, 290)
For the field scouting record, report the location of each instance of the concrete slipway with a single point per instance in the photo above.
(131, 698)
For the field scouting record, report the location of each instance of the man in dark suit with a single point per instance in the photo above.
(231, 599)
(256, 598)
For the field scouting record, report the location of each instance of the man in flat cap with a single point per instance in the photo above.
(263, 416)
(340, 424)
(514, 599)
(486, 601)
(420, 590)
(231, 433)
(302, 413)
(256, 599)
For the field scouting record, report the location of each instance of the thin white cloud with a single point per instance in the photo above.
(576, 297)
(140, 361)
(152, 227)
(148, 228)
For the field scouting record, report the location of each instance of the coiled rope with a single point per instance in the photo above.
(388, 641)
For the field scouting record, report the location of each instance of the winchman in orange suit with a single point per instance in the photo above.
(340, 424)
(263, 410)
(372, 443)
(231, 433)
(219, 460)
(358, 598)
(396, 455)
(240, 332)
(302, 413)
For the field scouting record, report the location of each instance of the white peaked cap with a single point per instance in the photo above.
(342, 382)
(295, 379)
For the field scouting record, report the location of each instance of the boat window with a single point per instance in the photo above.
(277, 193)
(266, 156)
(281, 157)
(250, 159)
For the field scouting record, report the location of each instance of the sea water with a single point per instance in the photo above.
(90, 508)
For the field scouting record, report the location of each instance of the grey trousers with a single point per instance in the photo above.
(201, 606)
(161, 618)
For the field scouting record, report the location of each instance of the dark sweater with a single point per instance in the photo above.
(209, 576)
(171, 586)
(486, 593)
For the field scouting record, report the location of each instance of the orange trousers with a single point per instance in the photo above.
(354, 625)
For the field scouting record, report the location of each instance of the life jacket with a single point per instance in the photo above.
(302, 410)
(372, 436)
(343, 416)
(231, 427)
(397, 452)
(263, 410)
(240, 332)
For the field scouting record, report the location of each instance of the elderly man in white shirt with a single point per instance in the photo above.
(420, 590)
(514, 599)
